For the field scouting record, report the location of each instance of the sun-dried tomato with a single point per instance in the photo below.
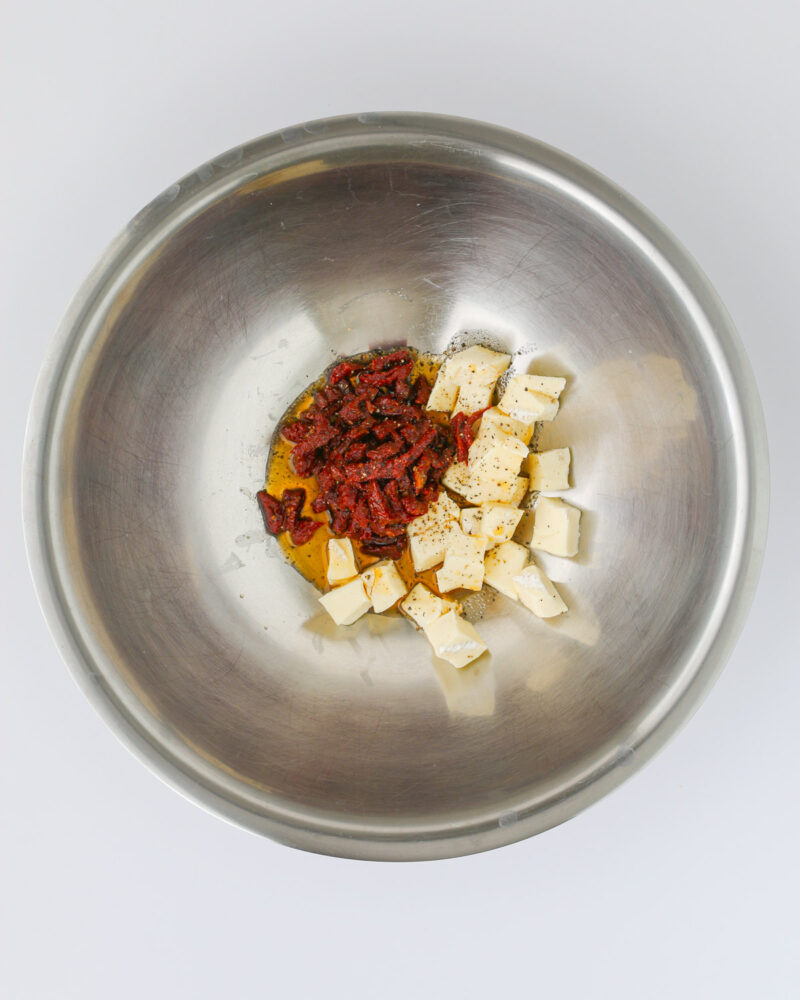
(422, 391)
(303, 530)
(343, 370)
(284, 515)
(383, 361)
(272, 509)
(376, 454)
(386, 377)
(463, 434)
(293, 501)
(298, 431)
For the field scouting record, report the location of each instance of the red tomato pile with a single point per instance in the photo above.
(376, 454)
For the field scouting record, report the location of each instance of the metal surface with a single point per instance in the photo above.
(149, 433)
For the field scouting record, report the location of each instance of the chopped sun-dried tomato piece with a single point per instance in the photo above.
(272, 509)
(343, 370)
(293, 501)
(303, 530)
(374, 450)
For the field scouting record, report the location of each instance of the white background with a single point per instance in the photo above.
(683, 883)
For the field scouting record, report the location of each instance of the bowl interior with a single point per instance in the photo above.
(218, 649)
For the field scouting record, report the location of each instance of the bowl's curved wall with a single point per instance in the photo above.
(149, 436)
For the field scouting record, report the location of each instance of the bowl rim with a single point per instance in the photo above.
(301, 828)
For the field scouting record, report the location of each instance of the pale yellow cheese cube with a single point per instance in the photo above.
(532, 397)
(491, 434)
(493, 478)
(549, 470)
(428, 534)
(472, 397)
(383, 584)
(537, 592)
(348, 603)
(503, 564)
(471, 518)
(505, 457)
(476, 371)
(556, 527)
(341, 561)
(444, 392)
(456, 478)
(463, 563)
(423, 607)
(493, 489)
(495, 419)
(480, 364)
(499, 522)
(519, 491)
(455, 640)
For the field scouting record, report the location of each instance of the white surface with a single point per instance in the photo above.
(683, 883)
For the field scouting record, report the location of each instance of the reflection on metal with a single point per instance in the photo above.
(148, 438)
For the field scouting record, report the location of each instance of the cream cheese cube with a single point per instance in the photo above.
(428, 534)
(537, 592)
(348, 603)
(495, 419)
(384, 585)
(455, 640)
(489, 435)
(506, 456)
(549, 470)
(457, 477)
(503, 564)
(556, 527)
(445, 390)
(341, 561)
(482, 364)
(476, 371)
(499, 522)
(489, 489)
(472, 397)
(463, 563)
(520, 489)
(493, 478)
(532, 397)
(471, 518)
(423, 607)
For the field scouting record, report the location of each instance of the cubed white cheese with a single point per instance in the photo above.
(493, 478)
(476, 371)
(491, 434)
(519, 491)
(503, 564)
(499, 522)
(428, 534)
(492, 489)
(481, 364)
(538, 593)
(505, 457)
(532, 397)
(384, 585)
(471, 518)
(495, 419)
(348, 603)
(455, 640)
(444, 392)
(423, 607)
(463, 563)
(549, 470)
(456, 478)
(341, 561)
(556, 527)
(472, 397)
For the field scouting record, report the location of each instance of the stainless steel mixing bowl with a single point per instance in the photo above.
(148, 437)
